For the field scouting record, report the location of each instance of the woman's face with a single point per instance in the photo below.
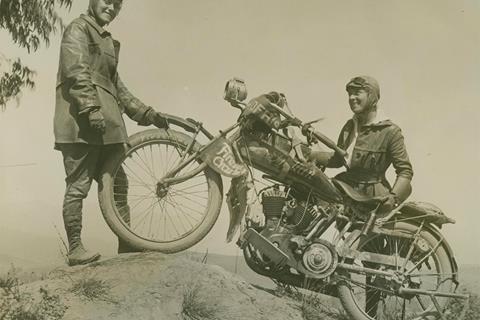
(104, 11)
(359, 101)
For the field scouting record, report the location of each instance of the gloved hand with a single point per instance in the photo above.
(96, 120)
(156, 118)
(390, 203)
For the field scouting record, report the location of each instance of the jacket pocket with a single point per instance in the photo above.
(372, 160)
(94, 48)
(102, 81)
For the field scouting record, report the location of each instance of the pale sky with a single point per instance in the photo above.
(177, 55)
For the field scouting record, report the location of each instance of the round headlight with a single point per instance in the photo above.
(235, 90)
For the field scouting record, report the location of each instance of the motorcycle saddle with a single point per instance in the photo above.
(356, 196)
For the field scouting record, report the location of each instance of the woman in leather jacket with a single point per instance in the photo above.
(373, 143)
(88, 122)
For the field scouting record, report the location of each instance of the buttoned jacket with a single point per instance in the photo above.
(376, 146)
(87, 78)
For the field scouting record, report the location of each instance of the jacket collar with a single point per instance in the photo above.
(380, 120)
(94, 24)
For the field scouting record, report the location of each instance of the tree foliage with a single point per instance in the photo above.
(30, 23)
(13, 80)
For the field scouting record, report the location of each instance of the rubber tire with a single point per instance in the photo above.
(109, 211)
(345, 294)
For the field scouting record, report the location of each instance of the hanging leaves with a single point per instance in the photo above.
(13, 80)
(30, 23)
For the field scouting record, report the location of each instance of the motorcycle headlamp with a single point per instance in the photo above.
(235, 90)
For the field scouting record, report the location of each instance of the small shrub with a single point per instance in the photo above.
(93, 289)
(196, 308)
(285, 290)
(457, 306)
(314, 308)
(311, 305)
(18, 305)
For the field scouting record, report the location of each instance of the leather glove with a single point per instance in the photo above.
(391, 202)
(156, 118)
(96, 120)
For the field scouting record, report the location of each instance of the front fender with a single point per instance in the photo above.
(237, 204)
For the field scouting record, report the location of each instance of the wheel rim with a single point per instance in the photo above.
(166, 216)
(375, 296)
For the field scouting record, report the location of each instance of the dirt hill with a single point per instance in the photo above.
(154, 286)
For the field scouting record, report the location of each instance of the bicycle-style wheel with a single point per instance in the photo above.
(151, 216)
(421, 264)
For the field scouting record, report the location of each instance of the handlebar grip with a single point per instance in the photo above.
(329, 143)
(189, 124)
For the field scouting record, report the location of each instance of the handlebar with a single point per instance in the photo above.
(188, 124)
(308, 128)
(329, 143)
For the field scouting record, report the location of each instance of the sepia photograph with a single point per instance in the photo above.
(239, 159)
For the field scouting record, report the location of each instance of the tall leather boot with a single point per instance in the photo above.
(72, 217)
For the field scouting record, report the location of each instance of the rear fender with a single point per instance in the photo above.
(423, 211)
(352, 243)
(436, 232)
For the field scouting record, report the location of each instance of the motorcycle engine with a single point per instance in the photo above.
(289, 218)
(287, 212)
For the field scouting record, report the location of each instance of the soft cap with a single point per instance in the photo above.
(365, 82)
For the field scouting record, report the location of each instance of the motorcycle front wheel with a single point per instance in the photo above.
(423, 264)
(149, 217)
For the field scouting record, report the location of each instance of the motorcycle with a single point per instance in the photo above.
(165, 194)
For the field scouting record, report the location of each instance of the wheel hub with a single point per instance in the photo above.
(320, 259)
(161, 190)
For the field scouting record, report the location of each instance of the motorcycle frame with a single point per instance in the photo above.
(345, 251)
(170, 179)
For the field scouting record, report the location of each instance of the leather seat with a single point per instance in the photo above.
(357, 196)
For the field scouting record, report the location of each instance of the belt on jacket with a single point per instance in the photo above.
(360, 176)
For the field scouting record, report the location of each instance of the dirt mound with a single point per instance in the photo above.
(161, 287)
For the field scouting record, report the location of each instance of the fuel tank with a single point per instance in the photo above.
(272, 156)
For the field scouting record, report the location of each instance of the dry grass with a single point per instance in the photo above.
(196, 307)
(311, 305)
(471, 308)
(18, 305)
(93, 289)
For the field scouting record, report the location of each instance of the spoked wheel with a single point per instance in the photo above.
(150, 215)
(419, 265)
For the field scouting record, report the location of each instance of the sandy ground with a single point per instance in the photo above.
(162, 287)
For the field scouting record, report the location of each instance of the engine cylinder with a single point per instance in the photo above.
(273, 201)
(303, 216)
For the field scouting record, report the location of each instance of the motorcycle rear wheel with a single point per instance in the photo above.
(375, 298)
(167, 220)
